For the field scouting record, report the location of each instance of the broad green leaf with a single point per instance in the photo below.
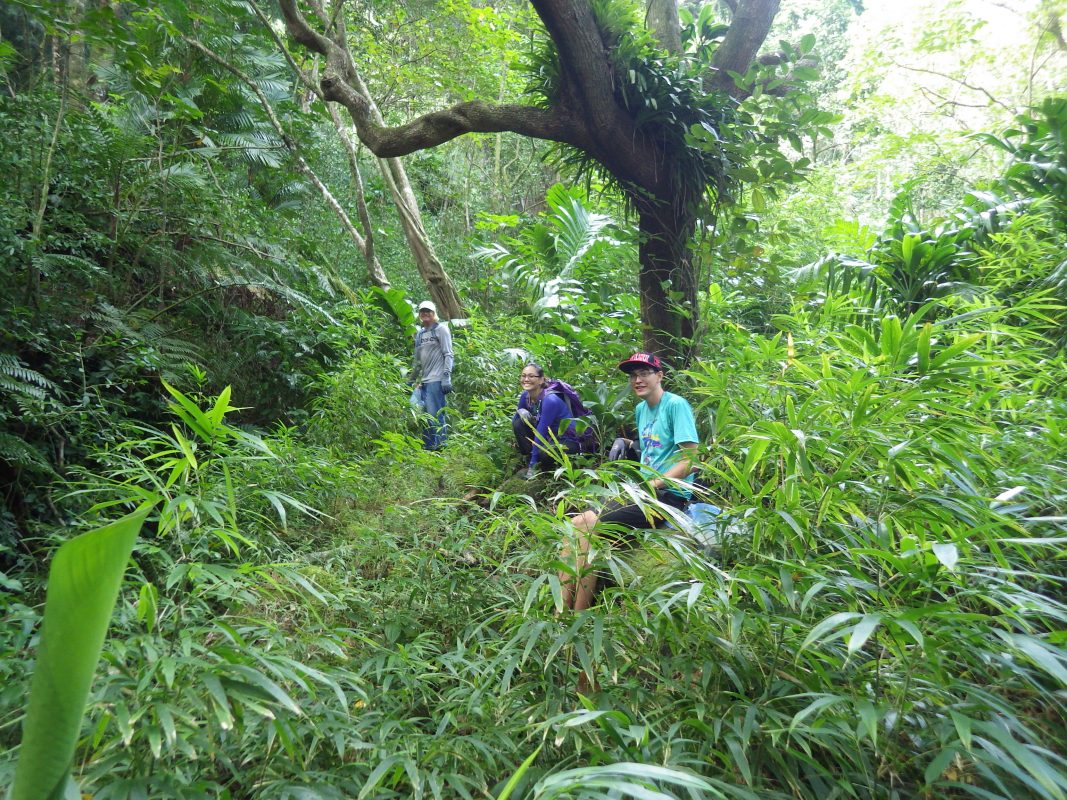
(862, 632)
(947, 553)
(395, 302)
(83, 585)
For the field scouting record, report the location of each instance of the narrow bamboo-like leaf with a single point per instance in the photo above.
(922, 347)
(868, 720)
(1052, 660)
(1008, 495)
(557, 592)
(190, 413)
(83, 585)
(963, 726)
(220, 409)
(756, 449)
(827, 625)
(148, 606)
(1029, 759)
(377, 775)
(513, 781)
(936, 768)
(619, 777)
(819, 703)
(954, 349)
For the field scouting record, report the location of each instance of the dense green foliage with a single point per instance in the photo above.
(318, 608)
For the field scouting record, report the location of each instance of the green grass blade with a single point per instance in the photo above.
(509, 787)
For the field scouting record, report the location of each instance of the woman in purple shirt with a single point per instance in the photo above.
(538, 419)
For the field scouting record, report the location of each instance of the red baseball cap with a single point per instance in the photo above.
(639, 360)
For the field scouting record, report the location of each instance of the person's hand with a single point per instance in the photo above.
(446, 385)
(530, 473)
(618, 449)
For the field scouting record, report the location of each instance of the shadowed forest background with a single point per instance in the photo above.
(850, 243)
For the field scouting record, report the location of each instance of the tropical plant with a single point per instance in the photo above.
(914, 262)
(570, 266)
(567, 253)
(83, 584)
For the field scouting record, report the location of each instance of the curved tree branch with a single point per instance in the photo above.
(438, 127)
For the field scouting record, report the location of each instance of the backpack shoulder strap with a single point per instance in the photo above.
(560, 387)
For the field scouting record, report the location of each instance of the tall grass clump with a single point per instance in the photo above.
(884, 614)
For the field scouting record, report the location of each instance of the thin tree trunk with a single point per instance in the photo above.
(378, 278)
(442, 290)
(33, 276)
(374, 268)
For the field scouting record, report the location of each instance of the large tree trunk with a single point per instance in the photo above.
(661, 17)
(667, 283)
(586, 115)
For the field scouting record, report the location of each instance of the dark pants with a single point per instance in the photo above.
(631, 515)
(524, 426)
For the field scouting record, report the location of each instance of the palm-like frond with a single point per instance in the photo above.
(18, 379)
(575, 228)
(560, 257)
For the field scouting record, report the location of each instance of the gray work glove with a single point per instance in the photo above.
(530, 473)
(446, 385)
(618, 449)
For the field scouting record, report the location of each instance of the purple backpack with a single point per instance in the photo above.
(587, 438)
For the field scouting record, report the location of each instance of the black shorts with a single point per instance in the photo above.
(631, 516)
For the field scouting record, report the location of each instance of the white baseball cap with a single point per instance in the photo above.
(427, 305)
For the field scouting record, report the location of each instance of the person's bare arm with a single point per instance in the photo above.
(685, 464)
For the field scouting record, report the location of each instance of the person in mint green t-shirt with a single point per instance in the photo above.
(667, 440)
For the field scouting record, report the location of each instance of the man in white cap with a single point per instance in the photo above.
(432, 372)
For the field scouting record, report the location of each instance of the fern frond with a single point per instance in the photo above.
(129, 327)
(51, 263)
(18, 379)
(21, 455)
(292, 295)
